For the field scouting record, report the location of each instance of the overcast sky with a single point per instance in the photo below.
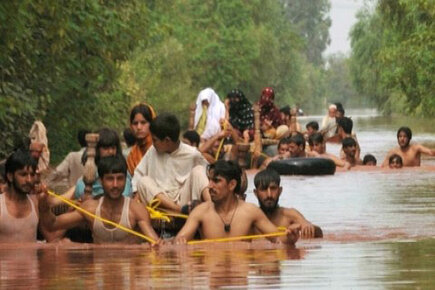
(343, 17)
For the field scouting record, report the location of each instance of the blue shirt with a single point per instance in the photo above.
(97, 188)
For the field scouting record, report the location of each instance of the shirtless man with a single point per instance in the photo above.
(318, 149)
(283, 152)
(297, 146)
(226, 215)
(350, 152)
(18, 208)
(410, 153)
(113, 206)
(268, 190)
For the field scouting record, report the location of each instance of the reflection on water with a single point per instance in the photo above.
(379, 233)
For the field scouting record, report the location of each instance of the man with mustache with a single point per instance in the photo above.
(410, 153)
(226, 215)
(18, 208)
(268, 190)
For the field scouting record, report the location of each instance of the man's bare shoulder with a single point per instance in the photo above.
(90, 205)
(249, 207)
(202, 208)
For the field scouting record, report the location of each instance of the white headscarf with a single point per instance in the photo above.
(215, 112)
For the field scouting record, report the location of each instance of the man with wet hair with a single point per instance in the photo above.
(170, 171)
(297, 146)
(283, 152)
(350, 149)
(344, 130)
(18, 207)
(113, 206)
(318, 149)
(268, 190)
(410, 153)
(226, 215)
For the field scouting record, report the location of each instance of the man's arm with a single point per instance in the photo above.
(262, 223)
(143, 219)
(189, 229)
(65, 221)
(308, 230)
(425, 150)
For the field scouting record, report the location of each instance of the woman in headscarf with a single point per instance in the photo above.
(241, 115)
(140, 118)
(209, 111)
(270, 116)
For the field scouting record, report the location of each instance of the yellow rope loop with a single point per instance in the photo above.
(281, 232)
(154, 213)
(78, 208)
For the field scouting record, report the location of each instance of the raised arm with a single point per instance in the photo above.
(425, 150)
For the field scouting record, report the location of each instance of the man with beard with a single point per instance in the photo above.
(18, 209)
(410, 153)
(226, 215)
(350, 148)
(268, 190)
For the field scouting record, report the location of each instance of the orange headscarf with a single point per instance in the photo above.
(136, 153)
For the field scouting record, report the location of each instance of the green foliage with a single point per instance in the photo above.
(83, 64)
(393, 57)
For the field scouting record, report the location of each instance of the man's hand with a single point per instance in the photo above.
(181, 240)
(293, 233)
(307, 231)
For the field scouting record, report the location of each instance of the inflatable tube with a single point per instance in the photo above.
(303, 166)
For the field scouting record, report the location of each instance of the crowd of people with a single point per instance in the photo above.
(195, 173)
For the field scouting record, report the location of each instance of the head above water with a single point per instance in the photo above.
(228, 170)
(297, 145)
(369, 160)
(404, 136)
(346, 124)
(267, 190)
(395, 161)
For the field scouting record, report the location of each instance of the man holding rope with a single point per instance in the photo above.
(113, 206)
(227, 216)
(267, 190)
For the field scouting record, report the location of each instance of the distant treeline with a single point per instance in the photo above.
(393, 56)
(83, 64)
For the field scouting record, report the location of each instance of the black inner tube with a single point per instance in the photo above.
(303, 166)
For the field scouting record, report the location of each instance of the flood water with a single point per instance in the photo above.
(379, 228)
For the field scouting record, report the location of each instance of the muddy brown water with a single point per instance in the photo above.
(379, 230)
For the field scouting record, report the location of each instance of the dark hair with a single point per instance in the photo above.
(395, 157)
(298, 139)
(265, 177)
(112, 164)
(405, 130)
(313, 124)
(285, 140)
(348, 141)
(19, 160)
(285, 110)
(369, 158)
(192, 136)
(315, 138)
(166, 125)
(81, 137)
(129, 137)
(339, 107)
(346, 123)
(228, 170)
(107, 138)
(142, 109)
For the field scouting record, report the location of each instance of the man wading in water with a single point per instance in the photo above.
(410, 153)
(226, 215)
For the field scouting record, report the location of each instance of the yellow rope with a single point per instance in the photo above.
(72, 204)
(157, 214)
(281, 232)
(221, 143)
